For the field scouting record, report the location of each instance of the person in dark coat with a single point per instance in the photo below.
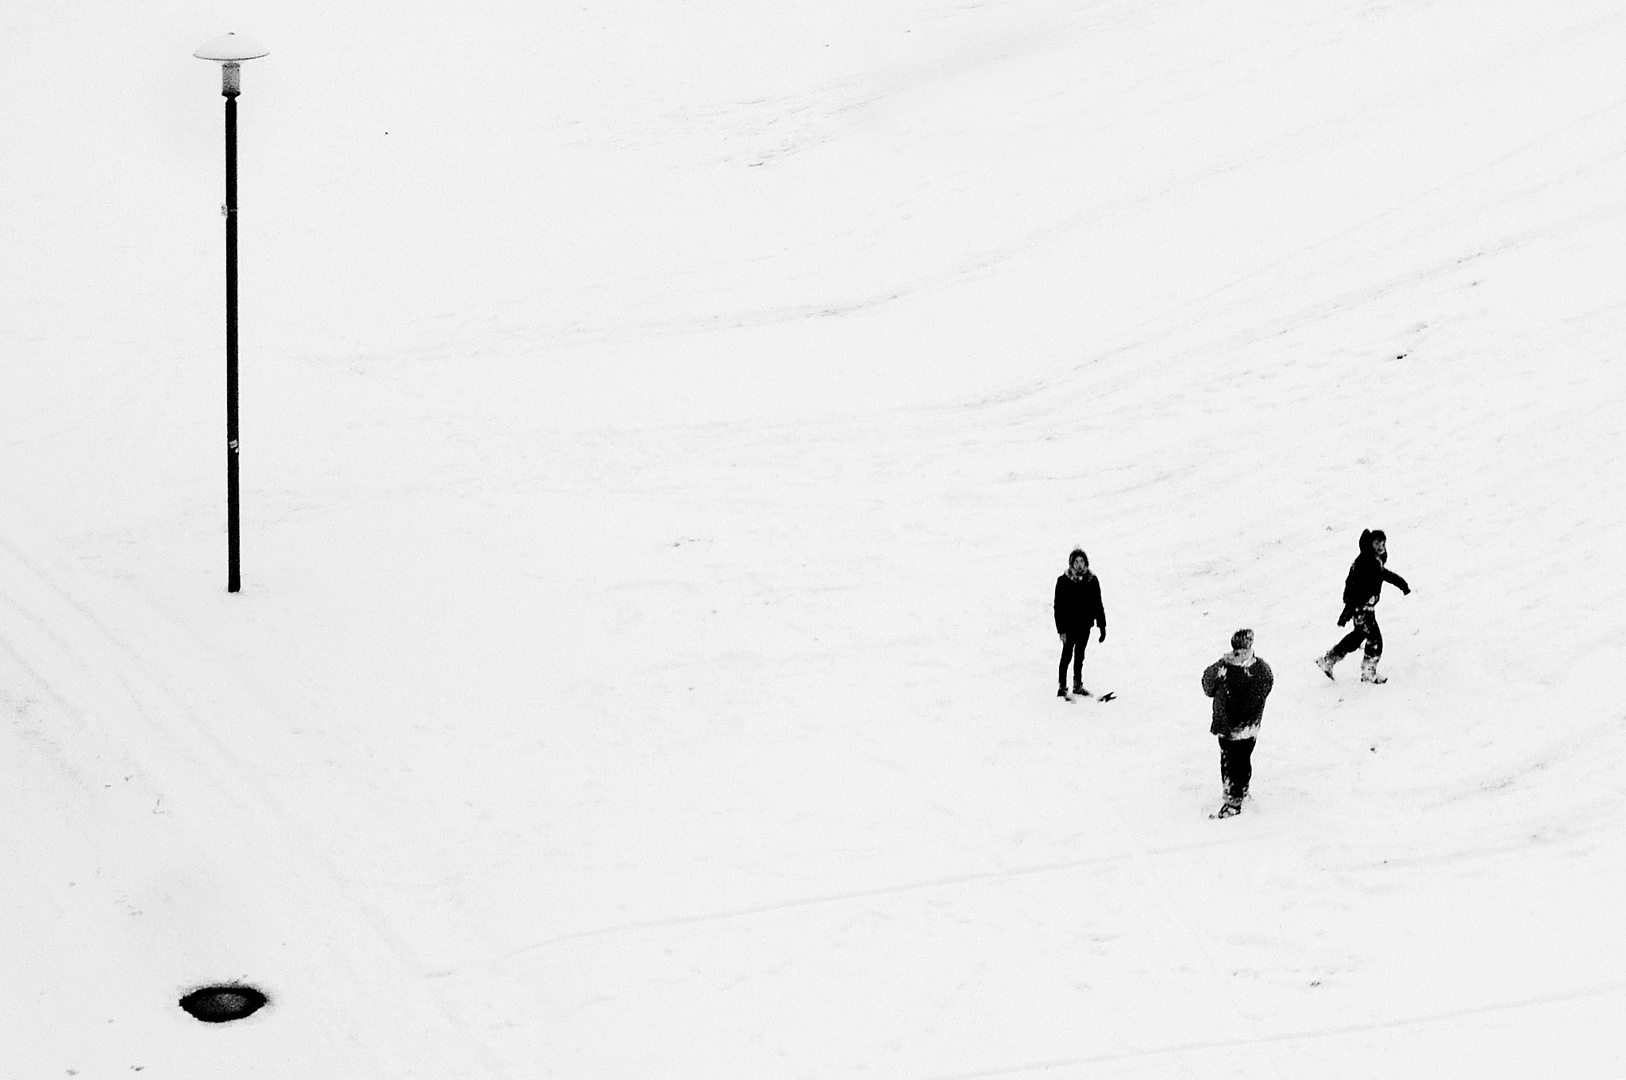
(1078, 607)
(1362, 588)
(1238, 682)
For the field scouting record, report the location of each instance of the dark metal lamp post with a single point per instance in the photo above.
(230, 50)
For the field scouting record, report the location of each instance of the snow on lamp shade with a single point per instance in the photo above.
(230, 50)
(219, 1004)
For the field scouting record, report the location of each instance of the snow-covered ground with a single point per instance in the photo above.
(663, 423)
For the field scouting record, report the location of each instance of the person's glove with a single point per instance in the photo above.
(1103, 636)
(1344, 618)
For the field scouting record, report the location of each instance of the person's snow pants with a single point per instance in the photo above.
(1366, 630)
(1236, 767)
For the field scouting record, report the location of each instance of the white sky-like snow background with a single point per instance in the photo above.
(662, 425)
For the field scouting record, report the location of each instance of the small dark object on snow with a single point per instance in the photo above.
(218, 1004)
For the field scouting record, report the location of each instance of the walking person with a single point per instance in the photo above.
(1362, 588)
(1078, 607)
(1238, 682)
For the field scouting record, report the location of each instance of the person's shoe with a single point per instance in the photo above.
(1325, 663)
(1369, 671)
(1230, 809)
(1061, 692)
(1080, 691)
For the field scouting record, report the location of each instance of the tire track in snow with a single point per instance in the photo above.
(990, 876)
(1260, 281)
(1308, 1034)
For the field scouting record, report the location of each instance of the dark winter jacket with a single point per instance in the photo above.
(1365, 581)
(1078, 604)
(1239, 696)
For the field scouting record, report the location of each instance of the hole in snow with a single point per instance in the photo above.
(218, 1004)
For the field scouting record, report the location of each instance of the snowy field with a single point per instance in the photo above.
(663, 423)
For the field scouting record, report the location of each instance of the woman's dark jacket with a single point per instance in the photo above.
(1078, 604)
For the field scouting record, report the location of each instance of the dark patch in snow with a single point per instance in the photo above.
(219, 1004)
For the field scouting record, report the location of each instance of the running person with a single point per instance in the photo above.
(1362, 588)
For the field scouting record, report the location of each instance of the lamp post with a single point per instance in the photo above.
(230, 51)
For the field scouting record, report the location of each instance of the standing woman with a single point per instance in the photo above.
(1078, 607)
(1362, 588)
